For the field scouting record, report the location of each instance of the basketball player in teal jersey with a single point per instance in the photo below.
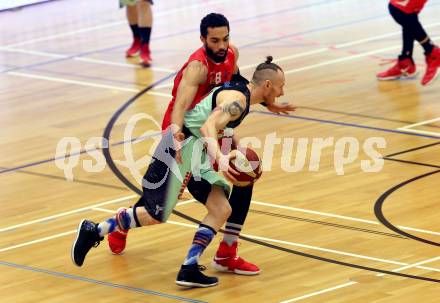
(212, 64)
(225, 107)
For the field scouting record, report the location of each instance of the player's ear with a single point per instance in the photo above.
(203, 39)
(267, 84)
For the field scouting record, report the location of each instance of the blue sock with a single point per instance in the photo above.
(202, 238)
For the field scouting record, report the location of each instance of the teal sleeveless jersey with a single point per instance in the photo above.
(195, 118)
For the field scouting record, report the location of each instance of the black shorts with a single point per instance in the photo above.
(162, 189)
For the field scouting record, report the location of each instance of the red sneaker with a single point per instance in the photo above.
(226, 260)
(403, 68)
(432, 65)
(145, 55)
(117, 241)
(134, 48)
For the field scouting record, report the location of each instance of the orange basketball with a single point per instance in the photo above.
(248, 164)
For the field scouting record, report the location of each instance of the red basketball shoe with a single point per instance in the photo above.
(117, 241)
(432, 66)
(134, 48)
(145, 55)
(402, 69)
(226, 260)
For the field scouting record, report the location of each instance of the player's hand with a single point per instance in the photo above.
(281, 108)
(228, 171)
(179, 137)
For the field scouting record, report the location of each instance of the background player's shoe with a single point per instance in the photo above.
(134, 48)
(86, 238)
(226, 260)
(432, 66)
(117, 241)
(403, 68)
(192, 276)
(145, 55)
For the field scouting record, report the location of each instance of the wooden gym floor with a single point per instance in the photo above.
(317, 236)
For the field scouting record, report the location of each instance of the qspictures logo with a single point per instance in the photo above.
(288, 154)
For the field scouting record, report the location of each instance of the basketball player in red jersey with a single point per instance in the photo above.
(212, 64)
(405, 12)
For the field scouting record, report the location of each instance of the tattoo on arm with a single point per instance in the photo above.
(234, 108)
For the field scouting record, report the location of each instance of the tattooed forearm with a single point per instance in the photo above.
(234, 108)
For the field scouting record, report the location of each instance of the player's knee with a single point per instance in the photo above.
(228, 211)
(225, 210)
(219, 210)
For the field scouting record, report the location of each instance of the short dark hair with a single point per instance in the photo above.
(261, 72)
(212, 20)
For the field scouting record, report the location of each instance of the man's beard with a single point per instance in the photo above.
(214, 57)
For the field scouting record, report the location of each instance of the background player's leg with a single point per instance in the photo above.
(432, 52)
(145, 22)
(132, 18)
(404, 66)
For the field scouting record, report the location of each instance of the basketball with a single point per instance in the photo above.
(248, 164)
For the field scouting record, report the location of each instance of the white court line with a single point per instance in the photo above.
(116, 23)
(319, 292)
(414, 265)
(337, 46)
(68, 213)
(32, 52)
(339, 216)
(408, 128)
(338, 252)
(294, 243)
(89, 84)
(244, 67)
(422, 132)
(84, 59)
(321, 50)
(38, 240)
(68, 81)
(96, 208)
(316, 293)
(114, 211)
(421, 123)
(344, 59)
(158, 69)
(253, 202)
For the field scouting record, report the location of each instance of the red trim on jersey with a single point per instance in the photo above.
(409, 6)
(217, 73)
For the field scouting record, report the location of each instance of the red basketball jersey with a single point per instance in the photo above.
(217, 73)
(409, 6)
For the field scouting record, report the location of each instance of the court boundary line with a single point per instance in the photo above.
(165, 12)
(260, 203)
(97, 207)
(343, 124)
(408, 162)
(412, 149)
(98, 282)
(410, 128)
(194, 30)
(339, 286)
(75, 180)
(331, 215)
(306, 246)
(194, 226)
